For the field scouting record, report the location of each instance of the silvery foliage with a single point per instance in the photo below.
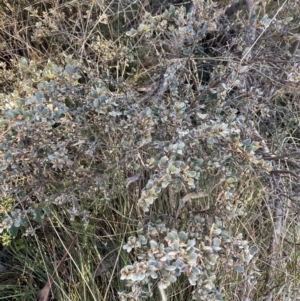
(165, 254)
(61, 137)
(211, 147)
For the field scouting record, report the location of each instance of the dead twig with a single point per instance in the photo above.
(44, 292)
(284, 171)
(282, 156)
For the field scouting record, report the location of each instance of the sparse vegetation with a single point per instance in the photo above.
(149, 150)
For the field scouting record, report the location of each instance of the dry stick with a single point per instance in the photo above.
(278, 214)
(275, 241)
(44, 292)
(117, 260)
(162, 292)
(265, 29)
(294, 46)
(152, 92)
(233, 8)
(251, 7)
(284, 171)
(292, 51)
(282, 156)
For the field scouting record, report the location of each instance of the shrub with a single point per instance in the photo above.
(76, 135)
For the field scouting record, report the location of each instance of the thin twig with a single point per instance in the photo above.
(282, 156)
(284, 171)
(261, 34)
(44, 292)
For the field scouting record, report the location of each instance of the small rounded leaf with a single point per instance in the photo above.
(253, 250)
(239, 269)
